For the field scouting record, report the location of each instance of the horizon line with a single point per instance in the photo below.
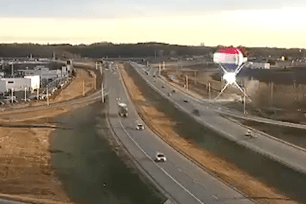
(147, 42)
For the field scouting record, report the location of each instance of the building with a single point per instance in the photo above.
(35, 82)
(257, 65)
(43, 72)
(17, 84)
(2, 86)
(64, 71)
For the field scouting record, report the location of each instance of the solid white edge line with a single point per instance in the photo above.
(185, 189)
(158, 165)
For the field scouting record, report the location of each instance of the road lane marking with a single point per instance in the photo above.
(192, 195)
(185, 189)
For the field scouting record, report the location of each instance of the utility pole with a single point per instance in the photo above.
(209, 93)
(101, 69)
(271, 93)
(37, 91)
(187, 82)
(159, 69)
(83, 88)
(164, 65)
(12, 70)
(244, 103)
(102, 87)
(47, 96)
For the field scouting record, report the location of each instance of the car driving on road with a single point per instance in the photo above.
(139, 127)
(160, 157)
(249, 133)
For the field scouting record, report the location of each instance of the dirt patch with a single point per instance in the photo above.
(25, 166)
(228, 172)
(75, 89)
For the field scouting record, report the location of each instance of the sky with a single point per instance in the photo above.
(257, 23)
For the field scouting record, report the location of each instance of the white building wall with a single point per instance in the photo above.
(2, 86)
(258, 65)
(35, 81)
(18, 84)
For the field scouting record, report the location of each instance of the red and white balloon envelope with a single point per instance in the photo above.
(231, 61)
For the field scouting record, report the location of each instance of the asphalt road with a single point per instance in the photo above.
(180, 179)
(278, 150)
(3, 201)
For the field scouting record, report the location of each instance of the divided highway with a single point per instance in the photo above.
(180, 179)
(280, 151)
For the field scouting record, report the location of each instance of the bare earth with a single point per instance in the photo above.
(25, 171)
(226, 171)
(76, 87)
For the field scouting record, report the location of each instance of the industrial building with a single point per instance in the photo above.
(30, 83)
(17, 84)
(42, 72)
(257, 65)
(35, 82)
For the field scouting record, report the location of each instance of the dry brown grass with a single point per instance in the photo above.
(25, 169)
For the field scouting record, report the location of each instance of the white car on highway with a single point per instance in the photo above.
(139, 127)
(249, 133)
(160, 157)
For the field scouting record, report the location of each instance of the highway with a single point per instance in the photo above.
(181, 180)
(224, 110)
(280, 151)
(3, 201)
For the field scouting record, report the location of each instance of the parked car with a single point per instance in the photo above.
(160, 157)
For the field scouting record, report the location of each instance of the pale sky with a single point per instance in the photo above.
(257, 23)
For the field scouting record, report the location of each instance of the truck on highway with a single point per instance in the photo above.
(123, 110)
